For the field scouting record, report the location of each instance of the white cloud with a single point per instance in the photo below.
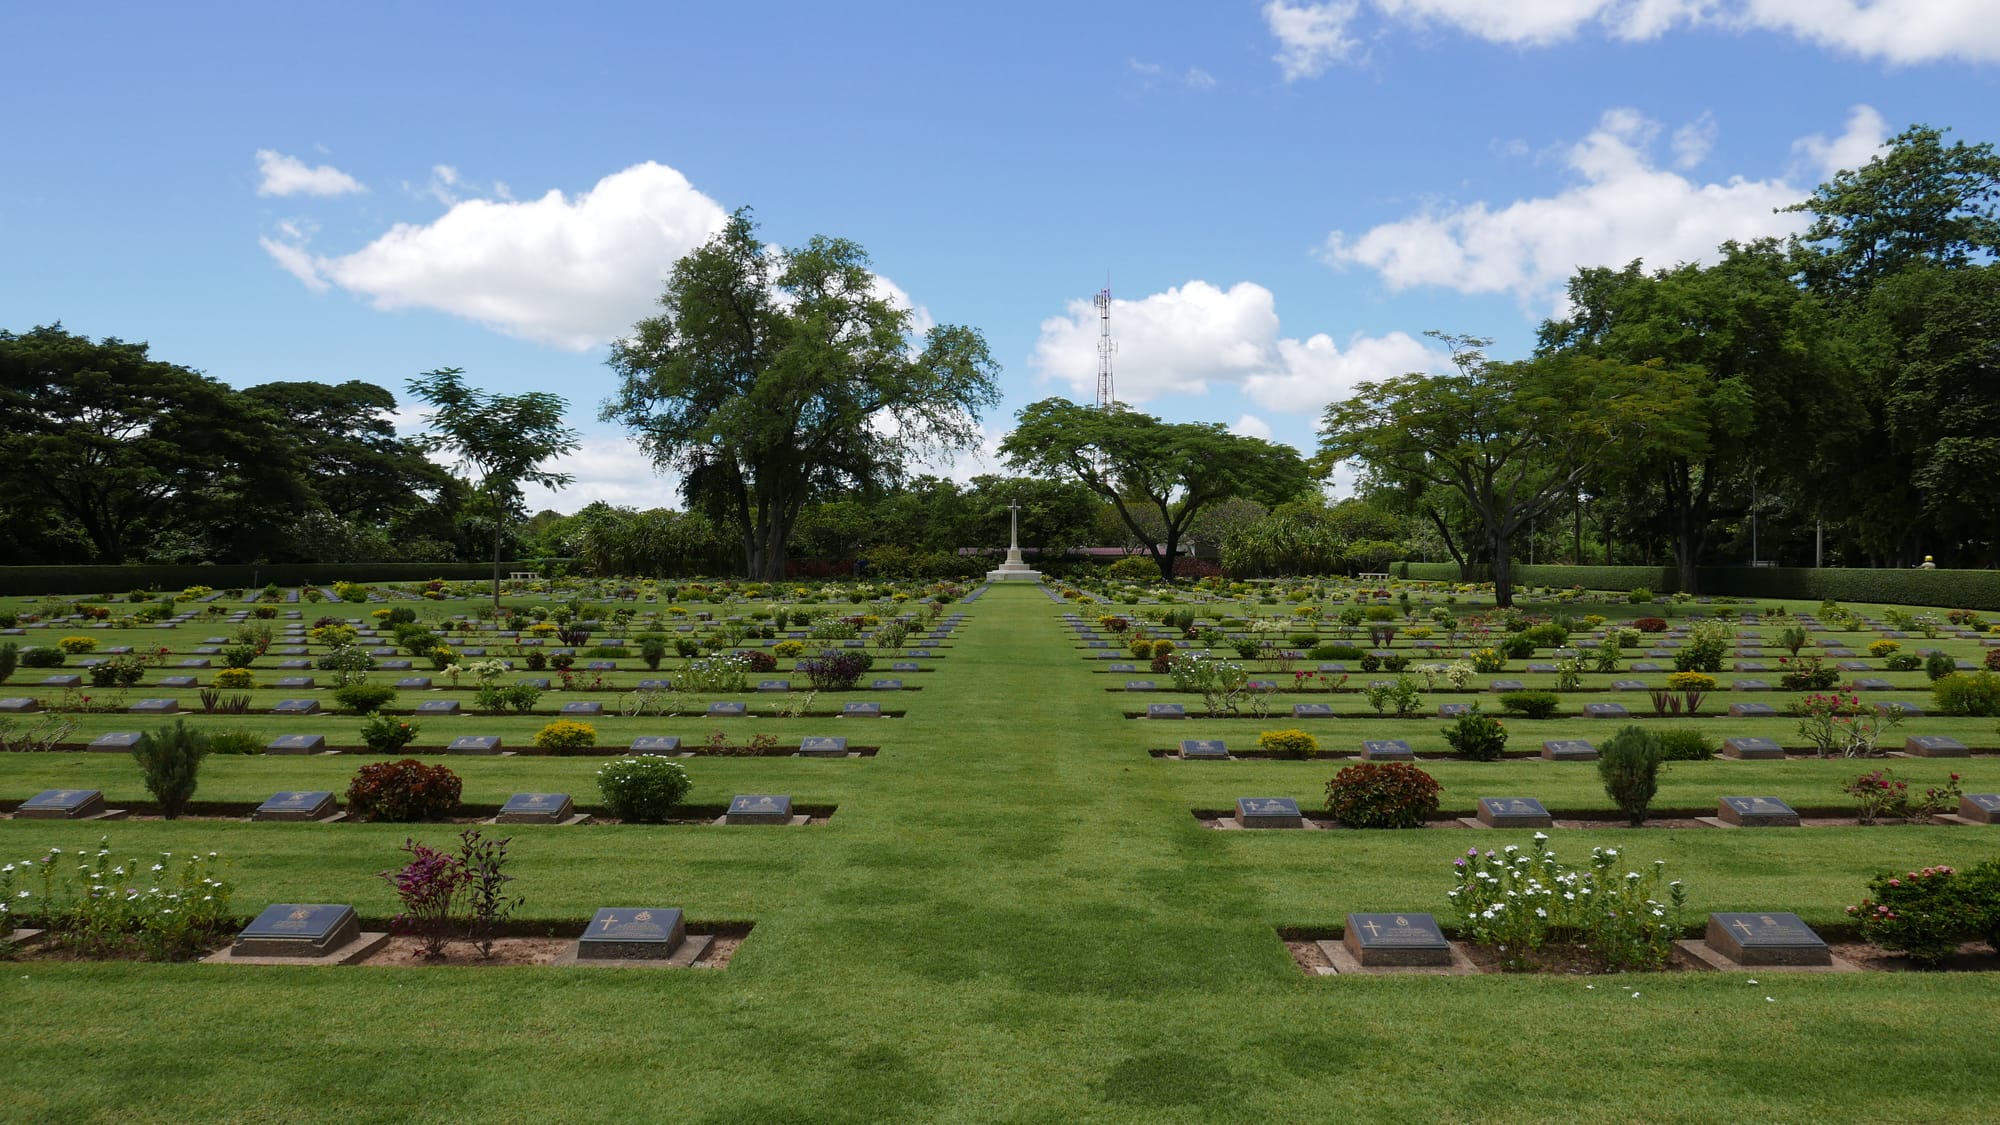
(1199, 79)
(1183, 340)
(1624, 208)
(1249, 425)
(1863, 139)
(1311, 37)
(1694, 141)
(571, 272)
(1314, 36)
(288, 175)
(610, 468)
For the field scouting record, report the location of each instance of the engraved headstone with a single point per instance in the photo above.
(583, 707)
(1980, 808)
(1141, 685)
(759, 808)
(62, 804)
(474, 744)
(1751, 710)
(1752, 749)
(1268, 812)
(1628, 685)
(1204, 749)
(1165, 711)
(18, 705)
(728, 710)
(302, 804)
(861, 710)
(1396, 940)
(1873, 683)
(296, 707)
(296, 744)
(60, 681)
(156, 707)
(1506, 685)
(1568, 750)
(1934, 746)
(1766, 939)
(885, 685)
(297, 930)
(1312, 710)
(115, 741)
(536, 808)
(1749, 685)
(656, 744)
(1386, 750)
(1605, 711)
(1453, 710)
(438, 707)
(1513, 812)
(294, 682)
(1756, 812)
(1906, 710)
(819, 747)
(774, 685)
(632, 933)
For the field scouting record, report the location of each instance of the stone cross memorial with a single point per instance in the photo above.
(1757, 812)
(1386, 750)
(1513, 812)
(1268, 812)
(1766, 939)
(759, 808)
(1568, 750)
(1014, 569)
(632, 934)
(1396, 940)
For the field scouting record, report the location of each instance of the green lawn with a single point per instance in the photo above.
(1013, 916)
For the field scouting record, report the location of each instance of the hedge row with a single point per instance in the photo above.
(32, 580)
(1957, 589)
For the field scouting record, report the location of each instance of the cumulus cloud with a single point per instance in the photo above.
(1311, 37)
(1191, 336)
(288, 175)
(1624, 207)
(1249, 425)
(1314, 36)
(573, 272)
(1694, 141)
(610, 468)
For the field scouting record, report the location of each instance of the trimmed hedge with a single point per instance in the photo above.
(31, 580)
(1960, 589)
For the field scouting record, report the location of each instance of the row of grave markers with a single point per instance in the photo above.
(320, 805)
(1527, 812)
(1746, 940)
(1742, 748)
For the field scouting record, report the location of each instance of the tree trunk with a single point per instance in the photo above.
(496, 558)
(1503, 570)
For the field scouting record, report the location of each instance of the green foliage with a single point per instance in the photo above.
(10, 658)
(403, 791)
(1930, 912)
(1684, 744)
(169, 761)
(386, 734)
(499, 698)
(1937, 665)
(1521, 901)
(1382, 795)
(566, 735)
(1808, 674)
(1629, 764)
(1331, 650)
(235, 742)
(361, 698)
(1288, 743)
(1532, 704)
(643, 789)
(1477, 735)
(1219, 682)
(1967, 693)
(42, 656)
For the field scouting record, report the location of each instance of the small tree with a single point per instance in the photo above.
(1629, 764)
(502, 439)
(169, 759)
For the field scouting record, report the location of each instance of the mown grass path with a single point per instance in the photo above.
(1013, 917)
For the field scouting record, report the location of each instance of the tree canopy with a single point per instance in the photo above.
(772, 378)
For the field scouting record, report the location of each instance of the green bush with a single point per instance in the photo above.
(169, 760)
(1382, 795)
(643, 790)
(1517, 647)
(1681, 744)
(1549, 634)
(42, 656)
(403, 791)
(1533, 704)
(565, 734)
(1928, 913)
(653, 649)
(1903, 662)
(1133, 568)
(239, 656)
(386, 734)
(1477, 735)
(364, 697)
(1967, 693)
(236, 742)
(1629, 765)
(1638, 594)
(1288, 743)
(10, 658)
(1939, 664)
(1330, 650)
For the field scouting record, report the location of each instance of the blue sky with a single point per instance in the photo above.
(1283, 195)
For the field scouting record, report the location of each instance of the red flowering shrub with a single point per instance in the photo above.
(758, 660)
(1927, 913)
(402, 791)
(1382, 795)
(1649, 625)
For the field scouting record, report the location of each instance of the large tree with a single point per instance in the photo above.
(1512, 440)
(144, 458)
(1144, 466)
(500, 440)
(360, 471)
(773, 378)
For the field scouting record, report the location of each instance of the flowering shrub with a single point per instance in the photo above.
(1649, 624)
(1882, 793)
(1881, 649)
(425, 886)
(94, 906)
(758, 661)
(564, 734)
(386, 734)
(643, 789)
(1477, 735)
(834, 669)
(1220, 682)
(788, 649)
(1808, 674)
(715, 675)
(119, 671)
(361, 698)
(1288, 743)
(1927, 913)
(1519, 902)
(76, 646)
(1533, 704)
(402, 791)
(1382, 795)
(1707, 642)
(1487, 661)
(1967, 693)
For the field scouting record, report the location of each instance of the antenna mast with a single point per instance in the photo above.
(1105, 347)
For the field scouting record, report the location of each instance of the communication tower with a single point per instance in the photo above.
(1105, 347)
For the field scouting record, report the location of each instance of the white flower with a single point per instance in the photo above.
(158, 868)
(1541, 835)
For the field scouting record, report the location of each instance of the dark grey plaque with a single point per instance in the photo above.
(294, 665)
(885, 685)
(61, 804)
(296, 707)
(1568, 750)
(1752, 749)
(178, 681)
(583, 707)
(1165, 711)
(1453, 710)
(1506, 685)
(296, 744)
(1312, 710)
(1628, 685)
(1386, 750)
(656, 744)
(655, 685)
(1934, 746)
(905, 666)
(861, 710)
(1645, 666)
(1751, 710)
(414, 683)
(1873, 683)
(601, 666)
(1757, 812)
(60, 681)
(297, 804)
(1766, 939)
(632, 933)
(1396, 940)
(1605, 711)
(1204, 749)
(438, 707)
(1749, 685)
(536, 808)
(116, 740)
(294, 682)
(774, 685)
(1907, 710)
(728, 710)
(156, 707)
(192, 662)
(1513, 812)
(823, 748)
(18, 705)
(474, 744)
(1980, 808)
(1268, 812)
(759, 808)
(1141, 685)
(298, 930)
(394, 665)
